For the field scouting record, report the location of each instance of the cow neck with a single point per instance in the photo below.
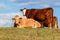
(27, 12)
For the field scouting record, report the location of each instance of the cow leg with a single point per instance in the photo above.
(55, 25)
(50, 25)
(42, 26)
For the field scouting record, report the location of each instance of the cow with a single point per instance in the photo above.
(26, 23)
(44, 16)
(55, 22)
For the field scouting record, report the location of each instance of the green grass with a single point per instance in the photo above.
(29, 34)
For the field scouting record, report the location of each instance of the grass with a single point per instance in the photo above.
(29, 34)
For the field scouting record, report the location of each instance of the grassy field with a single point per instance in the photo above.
(29, 34)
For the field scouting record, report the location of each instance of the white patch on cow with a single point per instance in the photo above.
(24, 11)
(35, 27)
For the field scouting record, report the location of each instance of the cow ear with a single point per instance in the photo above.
(21, 9)
(24, 8)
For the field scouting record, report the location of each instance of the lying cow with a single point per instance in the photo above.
(26, 23)
(44, 16)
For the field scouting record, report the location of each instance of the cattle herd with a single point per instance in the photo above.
(36, 18)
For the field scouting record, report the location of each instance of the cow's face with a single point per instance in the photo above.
(16, 18)
(24, 11)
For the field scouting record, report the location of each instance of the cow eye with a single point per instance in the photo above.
(19, 22)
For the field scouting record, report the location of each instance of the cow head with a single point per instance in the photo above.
(16, 18)
(24, 11)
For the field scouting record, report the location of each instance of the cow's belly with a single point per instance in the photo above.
(40, 17)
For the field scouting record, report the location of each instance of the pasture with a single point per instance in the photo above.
(29, 34)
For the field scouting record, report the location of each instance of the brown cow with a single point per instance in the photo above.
(55, 22)
(44, 16)
(26, 23)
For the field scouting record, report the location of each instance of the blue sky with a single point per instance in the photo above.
(10, 8)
